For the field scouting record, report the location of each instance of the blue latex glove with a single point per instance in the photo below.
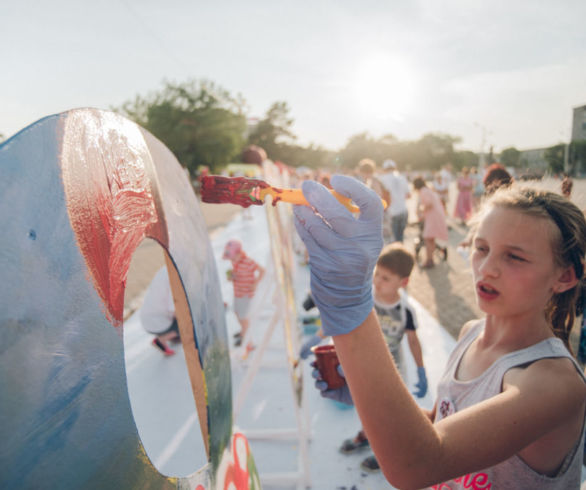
(342, 250)
(309, 343)
(421, 384)
(339, 394)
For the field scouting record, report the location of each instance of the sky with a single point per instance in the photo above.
(496, 73)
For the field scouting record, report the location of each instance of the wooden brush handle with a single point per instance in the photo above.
(295, 196)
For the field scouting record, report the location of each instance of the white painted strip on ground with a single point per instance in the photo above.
(170, 449)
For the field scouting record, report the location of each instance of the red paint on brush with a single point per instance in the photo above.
(108, 180)
(233, 190)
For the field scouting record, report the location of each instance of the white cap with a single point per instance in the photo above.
(389, 164)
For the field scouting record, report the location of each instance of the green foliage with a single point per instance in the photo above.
(465, 158)
(273, 133)
(428, 153)
(358, 147)
(554, 156)
(510, 157)
(577, 156)
(308, 156)
(201, 123)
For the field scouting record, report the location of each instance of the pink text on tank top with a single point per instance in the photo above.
(475, 481)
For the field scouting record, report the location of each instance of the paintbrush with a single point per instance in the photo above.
(245, 192)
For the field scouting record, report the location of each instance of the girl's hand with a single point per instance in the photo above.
(342, 250)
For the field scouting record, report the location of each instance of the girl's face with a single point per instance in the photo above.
(513, 264)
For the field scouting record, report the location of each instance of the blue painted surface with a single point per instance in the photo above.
(65, 417)
(191, 252)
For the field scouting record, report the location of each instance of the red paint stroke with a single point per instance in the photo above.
(237, 475)
(109, 185)
(233, 190)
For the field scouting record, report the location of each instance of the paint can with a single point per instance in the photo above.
(327, 363)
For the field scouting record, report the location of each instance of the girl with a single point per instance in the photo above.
(511, 405)
(463, 208)
(431, 212)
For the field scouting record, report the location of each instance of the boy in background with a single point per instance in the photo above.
(397, 318)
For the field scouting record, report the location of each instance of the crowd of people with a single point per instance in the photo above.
(510, 408)
(527, 252)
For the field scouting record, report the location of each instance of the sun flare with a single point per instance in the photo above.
(384, 86)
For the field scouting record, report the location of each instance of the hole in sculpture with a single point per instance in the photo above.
(159, 386)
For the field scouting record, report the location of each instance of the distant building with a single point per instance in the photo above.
(579, 123)
(533, 159)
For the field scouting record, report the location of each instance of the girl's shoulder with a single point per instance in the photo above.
(468, 326)
(555, 372)
(555, 376)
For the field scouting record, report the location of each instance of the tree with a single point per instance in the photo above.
(358, 147)
(554, 156)
(273, 133)
(428, 153)
(511, 157)
(438, 149)
(310, 156)
(201, 123)
(465, 158)
(577, 156)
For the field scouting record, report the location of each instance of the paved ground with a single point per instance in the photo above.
(446, 291)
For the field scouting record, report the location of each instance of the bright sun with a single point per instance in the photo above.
(384, 86)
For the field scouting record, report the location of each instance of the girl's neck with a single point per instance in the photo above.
(514, 333)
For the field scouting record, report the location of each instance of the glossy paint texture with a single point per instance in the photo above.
(78, 192)
(245, 192)
(234, 190)
(107, 179)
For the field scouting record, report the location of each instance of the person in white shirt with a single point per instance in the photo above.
(398, 188)
(157, 313)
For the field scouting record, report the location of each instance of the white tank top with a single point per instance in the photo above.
(454, 395)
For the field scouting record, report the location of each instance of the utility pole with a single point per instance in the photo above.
(566, 163)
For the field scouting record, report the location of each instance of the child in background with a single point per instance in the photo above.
(510, 410)
(567, 184)
(396, 317)
(495, 177)
(431, 213)
(463, 209)
(245, 276)
(441, 188)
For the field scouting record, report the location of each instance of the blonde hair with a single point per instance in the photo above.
(568, 244)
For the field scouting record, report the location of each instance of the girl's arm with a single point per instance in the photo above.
(399, 432)
(414, 453)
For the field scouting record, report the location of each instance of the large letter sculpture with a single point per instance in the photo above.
(78, 192)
